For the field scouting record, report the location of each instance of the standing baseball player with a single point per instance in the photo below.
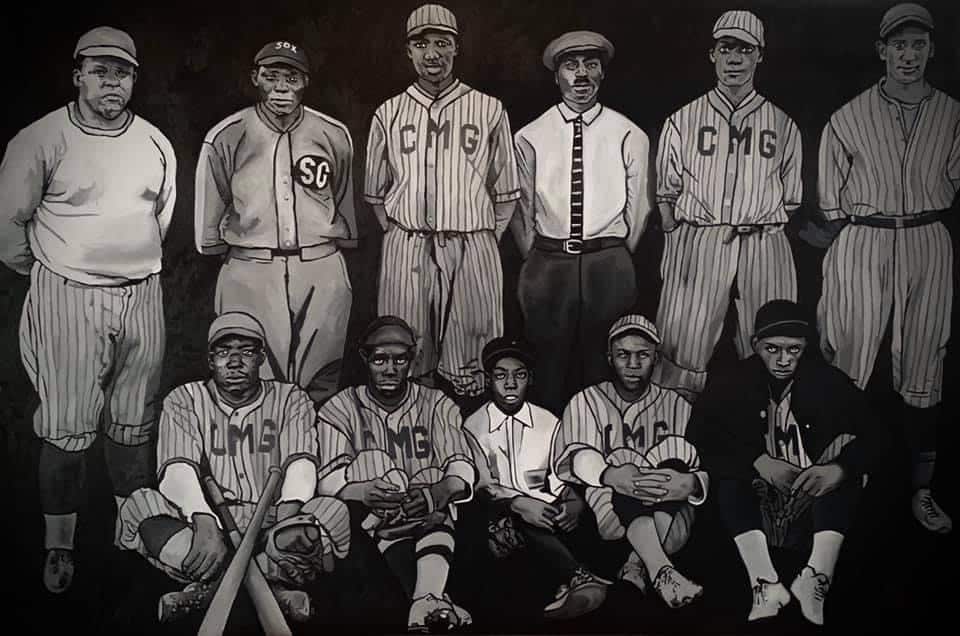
(235, 427)
(782, 438)
(583, 177)
(889, 171)
(88, 194)
(728, 175)
(526, 505)
(394, 450)
(275, 194)
(622, 443)
(442, 179)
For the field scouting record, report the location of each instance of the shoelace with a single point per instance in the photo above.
(821, 586)
(926, 503)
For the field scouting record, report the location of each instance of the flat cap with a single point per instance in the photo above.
(903, 13)
(633, 322)
(504, 347)
(235, 323)
(283, 52)
(574, 42)
(107, 41)
(742, 25)
(781, 317)
(388, 330)
(431, 17)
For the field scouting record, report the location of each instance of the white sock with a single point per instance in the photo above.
(175, 550)
(755, 555)
(826, 551)
(432, 568)
(59, 531)
(645, 540)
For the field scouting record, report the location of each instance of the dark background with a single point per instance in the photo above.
(195, 60)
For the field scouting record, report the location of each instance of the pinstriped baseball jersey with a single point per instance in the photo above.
(257, 186)
(599, 418)
(872, 162)
(721, 164)
(240, 445)
(441, 163)
(424, 432)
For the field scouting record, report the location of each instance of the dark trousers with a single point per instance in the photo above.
(740, 508)
(568, 304)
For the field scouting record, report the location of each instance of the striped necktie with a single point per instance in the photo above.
(576, 181)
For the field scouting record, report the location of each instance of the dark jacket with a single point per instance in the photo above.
(728, 424)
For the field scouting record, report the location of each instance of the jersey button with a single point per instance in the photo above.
(241, 476)
(288, 243)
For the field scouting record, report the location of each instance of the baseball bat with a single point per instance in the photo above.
(215, 619)
(264, 602)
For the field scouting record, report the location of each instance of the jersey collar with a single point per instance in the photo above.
(269, 124)
(498, 418)
(413, 390)
(242, 411)
(726, 108)
(883, 93)
(448, 95)
(589, 115)
(74, 118)
(649, 397)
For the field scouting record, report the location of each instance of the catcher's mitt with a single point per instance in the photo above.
(301, 548)
(503, 537)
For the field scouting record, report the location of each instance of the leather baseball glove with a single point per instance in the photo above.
(301, 547)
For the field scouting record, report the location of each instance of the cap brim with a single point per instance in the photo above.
(235, 331)
(279, 59)
(107, 51)
(550, 58)
(654, 338)
(916, 19)
(431, 27)
(785, 329)
(739, 34)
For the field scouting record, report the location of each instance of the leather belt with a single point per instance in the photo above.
(742, 231)
(310, 253)
(898, 222)
(577, 246)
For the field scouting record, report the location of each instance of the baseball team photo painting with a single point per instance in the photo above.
(480, 317)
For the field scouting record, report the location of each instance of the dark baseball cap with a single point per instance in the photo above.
(504, 347)
(107, 41)
(283, 52)
(781, 317)
(235, 323)
(388, 330)
(904, 13)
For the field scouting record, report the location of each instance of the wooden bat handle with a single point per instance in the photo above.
(215, 620)
(221, 506)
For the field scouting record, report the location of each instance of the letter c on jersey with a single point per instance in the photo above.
(408, 138)
(702, 140)
(313, 172)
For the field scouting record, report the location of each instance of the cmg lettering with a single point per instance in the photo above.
(228, 440)
(468, 137)
(406, 442)
(766, 141)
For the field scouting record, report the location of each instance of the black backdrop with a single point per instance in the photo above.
(195, 60)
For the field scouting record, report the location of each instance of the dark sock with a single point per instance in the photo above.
(62, 479)
(130, 467)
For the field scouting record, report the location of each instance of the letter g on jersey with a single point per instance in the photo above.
(313, 172)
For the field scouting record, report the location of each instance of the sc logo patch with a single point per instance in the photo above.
(313, 172)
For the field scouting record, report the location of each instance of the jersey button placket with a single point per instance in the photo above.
(236, 420)
(430, 175)
(283, 186)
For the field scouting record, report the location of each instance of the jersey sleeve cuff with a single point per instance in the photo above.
(464, 470)
(704, 479)
(333, 482)
(588, 466)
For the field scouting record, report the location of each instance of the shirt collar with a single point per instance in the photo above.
(498, 417)
(881, 88)
(569, 114)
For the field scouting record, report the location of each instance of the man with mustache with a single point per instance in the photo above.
(889, 173)
(728, 178)
(584, 204)
(235, 427)
(442, 180)
(783, 438)
(275, 197)
(526, 505)
(395, 451)
(88, 195)
(621, 445)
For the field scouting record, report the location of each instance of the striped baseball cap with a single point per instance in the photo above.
(107, 41)
(431, 17)
(901, 14)
(633, 322)
(742, 25)
(235, 323)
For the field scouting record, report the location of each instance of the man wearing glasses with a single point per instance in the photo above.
(275, 194)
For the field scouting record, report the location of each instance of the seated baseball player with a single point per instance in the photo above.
(622, 443)
(527, 506)
(780, 436)
(395, 451)
(234, 428)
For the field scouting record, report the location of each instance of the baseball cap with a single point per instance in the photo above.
(108, 41)
(903, 13)
(633, 322)
(235, 323)
(781, 317)
(431, 17)
(742, 25)
(283, 52)
(504, 347)
(576, 41)
(388, 330)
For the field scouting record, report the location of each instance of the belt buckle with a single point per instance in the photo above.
(900, 222)
(573, 246)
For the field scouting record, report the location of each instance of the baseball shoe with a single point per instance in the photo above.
(768, 599)
(294, 604)
(930, 515)
(432, 615)
(634, 571)
(675, 589)
(194, 597)
(584, 593)
(810, 589)
(58, 570)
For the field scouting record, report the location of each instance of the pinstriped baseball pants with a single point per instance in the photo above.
(699, 267)
(871, 274)
(94, 355)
